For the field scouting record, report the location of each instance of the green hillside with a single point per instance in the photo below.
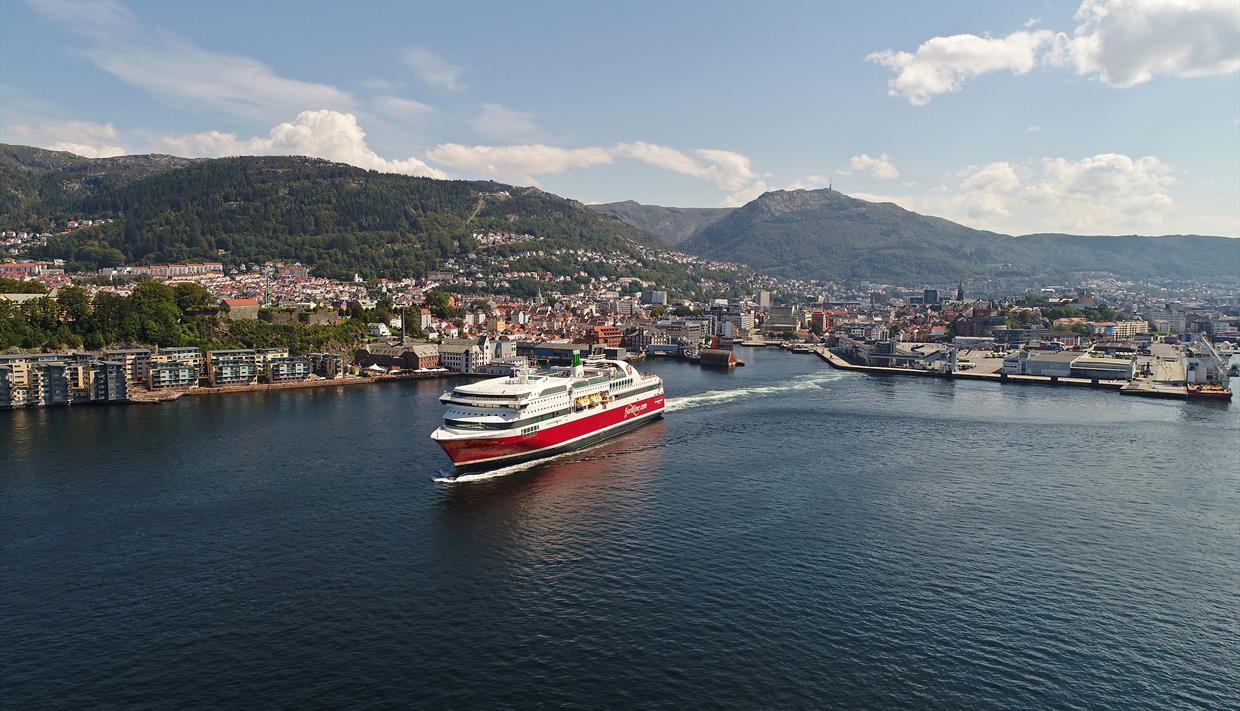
(336, 218)
(826, 234)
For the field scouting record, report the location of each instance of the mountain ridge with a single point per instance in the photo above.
(824, 233)
(672, 224)
(335, 217)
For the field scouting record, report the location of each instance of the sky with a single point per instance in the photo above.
(1089, 117)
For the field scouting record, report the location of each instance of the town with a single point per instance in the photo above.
(466, 319)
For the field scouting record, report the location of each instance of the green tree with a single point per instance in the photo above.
(192, 298)
(16, 286)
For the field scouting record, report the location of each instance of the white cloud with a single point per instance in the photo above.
(322, 134)
(809, 182)
(1107, 193)
(1104, 193)
(880, 167)
(1032, 128)
(518, 164)
(174, 68)
(727, 169)
(85, 138)
(502, 123)
(942, 64)
(398, 107)
(1129, 42)
(1121, 42)
(433, 69)
(745, 194)
(662, 157)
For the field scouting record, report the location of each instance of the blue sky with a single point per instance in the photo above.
(1102, 116)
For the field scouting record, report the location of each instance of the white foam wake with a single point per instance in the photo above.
(811, 381)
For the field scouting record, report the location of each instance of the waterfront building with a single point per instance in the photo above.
(558, 353)
(686, 331)
(731, 320)
(78, 375)
(1064, 364)
(1095, 367)
(326, 365)
(286, 369)
(136, 361)
(639, 338)
(464, 355)
(605, 335)
(171, 374)
(264, 356)
(1052, 364)
(108, 381)
(232, 367)
(183, 355)
(783, 318)
(397, 357)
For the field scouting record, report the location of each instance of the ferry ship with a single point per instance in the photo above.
(530, 415)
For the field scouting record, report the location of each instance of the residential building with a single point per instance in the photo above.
(109, 382)
(326, 365)
(284, 369)
(136, 361)
(186, 355)
(232, 367)
(171, 374)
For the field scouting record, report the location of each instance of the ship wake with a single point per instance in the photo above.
(811, 381)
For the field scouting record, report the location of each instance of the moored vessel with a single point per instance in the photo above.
(530, 415)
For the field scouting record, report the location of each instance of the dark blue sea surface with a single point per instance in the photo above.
(788, 536)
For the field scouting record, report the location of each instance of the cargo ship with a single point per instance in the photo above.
(531, 415)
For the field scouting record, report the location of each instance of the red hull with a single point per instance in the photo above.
(475, 451)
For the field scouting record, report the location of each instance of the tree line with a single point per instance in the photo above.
(158, 314)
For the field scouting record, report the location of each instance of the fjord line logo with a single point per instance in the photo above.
(634, 409)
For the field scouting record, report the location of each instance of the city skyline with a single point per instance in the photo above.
(1094, 117)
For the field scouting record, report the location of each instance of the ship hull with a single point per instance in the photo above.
(482, 453)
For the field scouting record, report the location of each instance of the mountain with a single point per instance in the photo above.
(336, 218)
(672, 224)
(826, 234)
(34, 179)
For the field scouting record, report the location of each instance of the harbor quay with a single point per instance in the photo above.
(1190, 371)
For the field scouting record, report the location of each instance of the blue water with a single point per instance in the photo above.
(789, 536)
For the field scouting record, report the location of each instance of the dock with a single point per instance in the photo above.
(837, 362)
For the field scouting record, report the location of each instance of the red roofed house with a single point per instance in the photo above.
(242, 309)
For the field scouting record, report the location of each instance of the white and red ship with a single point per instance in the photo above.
(502, 421)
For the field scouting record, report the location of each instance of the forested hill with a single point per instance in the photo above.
(34, 181)
(826, 234)
(336, 218)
